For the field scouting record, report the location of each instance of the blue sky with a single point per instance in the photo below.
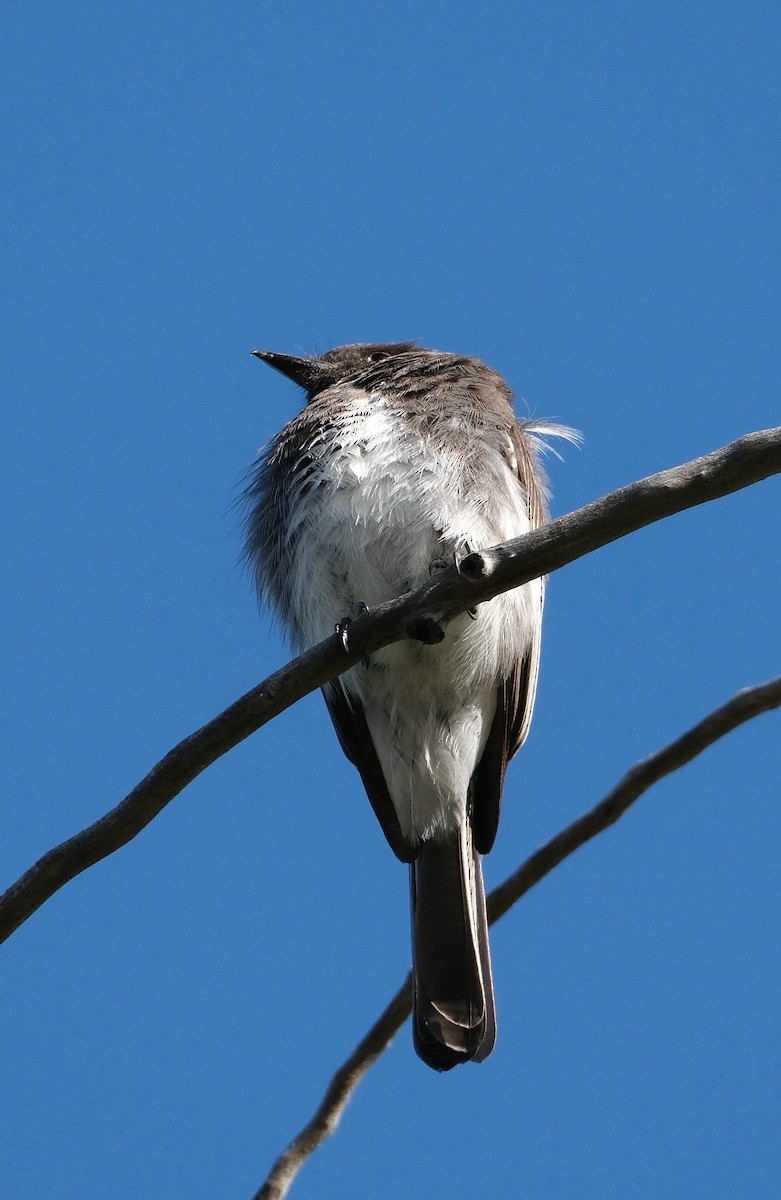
(587, 197)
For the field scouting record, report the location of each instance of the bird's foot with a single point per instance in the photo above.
(341, 628)
(440, 564)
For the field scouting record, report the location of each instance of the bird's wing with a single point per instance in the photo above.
(516, 694)
(347, 714)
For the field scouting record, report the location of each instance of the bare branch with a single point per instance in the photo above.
(748, 703)
(741, 708)
(340, 1089)
(481, 576)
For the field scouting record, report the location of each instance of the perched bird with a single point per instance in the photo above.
(402, 461)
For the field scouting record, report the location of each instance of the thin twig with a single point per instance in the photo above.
(449, 592)
(746, 704)
(340, 1089)
(741, 708)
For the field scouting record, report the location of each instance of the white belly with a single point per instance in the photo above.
(391, 505)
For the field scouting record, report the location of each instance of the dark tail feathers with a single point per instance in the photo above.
(454, 1019)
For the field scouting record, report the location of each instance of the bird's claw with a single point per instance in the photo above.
(440, 564)
(342, 628)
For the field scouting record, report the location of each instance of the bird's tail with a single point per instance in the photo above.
(454, 1019)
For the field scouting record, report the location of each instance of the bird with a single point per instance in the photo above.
(402, 461)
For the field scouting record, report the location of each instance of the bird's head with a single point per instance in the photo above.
(318, 372)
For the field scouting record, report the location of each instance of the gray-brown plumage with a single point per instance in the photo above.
(403, 459)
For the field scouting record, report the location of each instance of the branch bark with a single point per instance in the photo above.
(480, 577)
(741, 708)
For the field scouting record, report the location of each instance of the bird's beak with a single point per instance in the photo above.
(306, 372)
